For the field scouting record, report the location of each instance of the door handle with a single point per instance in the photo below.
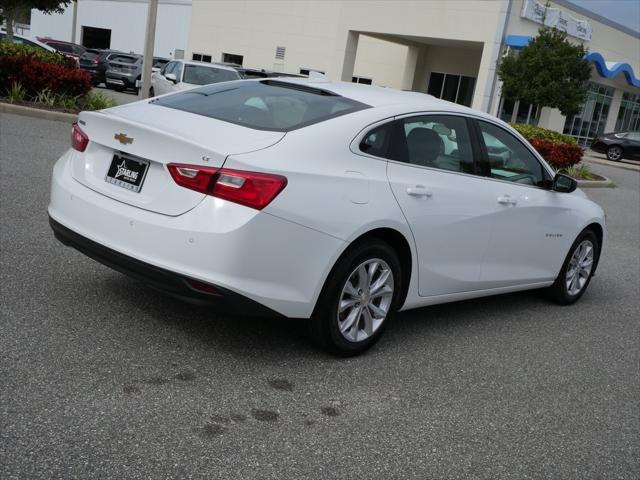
(507, 200)
(419, 191)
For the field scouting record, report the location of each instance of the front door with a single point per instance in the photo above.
(530, 233)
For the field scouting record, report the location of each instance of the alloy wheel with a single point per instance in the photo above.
(614, 153)
(579, 268)
(365, 300)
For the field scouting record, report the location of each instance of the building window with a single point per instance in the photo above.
(629, 113)
(518, 112)
(590, 121)
(453, 88)
(201, 57)
(305, 71)
(364, 80)
(232, 58)
(280, 51)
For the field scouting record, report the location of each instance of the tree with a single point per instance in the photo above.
(549, 72)
(12, 9)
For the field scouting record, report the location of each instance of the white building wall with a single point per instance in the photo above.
(127, 21)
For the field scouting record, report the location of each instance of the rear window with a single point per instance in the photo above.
(203, 75)
(263, 105)
(123, 58)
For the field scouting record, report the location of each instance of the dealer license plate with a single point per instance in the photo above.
(127, 172)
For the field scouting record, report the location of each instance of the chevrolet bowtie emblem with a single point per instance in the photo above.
(123, 139)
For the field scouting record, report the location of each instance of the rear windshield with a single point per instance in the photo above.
(203, 75)
(263, 105)
(123, 58)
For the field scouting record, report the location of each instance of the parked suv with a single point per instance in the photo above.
(96, 63)
(125, 70)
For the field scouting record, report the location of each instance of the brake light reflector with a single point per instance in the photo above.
(79, 139)
(251, 189)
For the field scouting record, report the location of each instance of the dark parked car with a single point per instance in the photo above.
(618, 145)
(96, 63)
(68, 49)
(125, 69)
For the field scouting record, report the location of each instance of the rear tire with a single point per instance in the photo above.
(577, 269)
(614, 153)
(368, 301)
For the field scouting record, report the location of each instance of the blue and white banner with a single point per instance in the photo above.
(556, 18)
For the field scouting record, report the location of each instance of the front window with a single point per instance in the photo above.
(203, 75)
(509, 159)
(263, 105)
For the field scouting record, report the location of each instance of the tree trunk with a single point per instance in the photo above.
(9, 16)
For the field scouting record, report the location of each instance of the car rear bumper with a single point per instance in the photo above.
(124, 80)
(598, 146)
(178, 286)
(273, 262)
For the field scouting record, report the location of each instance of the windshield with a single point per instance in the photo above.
(263, 105)
(203, 75)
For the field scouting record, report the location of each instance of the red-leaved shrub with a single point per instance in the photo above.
(35, 76)
(558, 155)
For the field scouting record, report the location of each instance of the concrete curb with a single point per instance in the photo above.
(606, 183)
(38, 113)
(608, 163)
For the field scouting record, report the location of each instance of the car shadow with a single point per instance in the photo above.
(273, 339)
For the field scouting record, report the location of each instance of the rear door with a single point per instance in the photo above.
(433, 177)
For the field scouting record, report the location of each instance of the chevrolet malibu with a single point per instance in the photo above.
(333, 202)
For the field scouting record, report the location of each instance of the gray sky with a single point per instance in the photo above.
(624, 12)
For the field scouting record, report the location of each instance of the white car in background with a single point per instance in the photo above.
(335, 202)
(183, 74)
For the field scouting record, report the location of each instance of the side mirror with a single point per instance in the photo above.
(171, 77)
(564, 183)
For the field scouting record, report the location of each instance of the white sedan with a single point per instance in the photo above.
(334, 202)
(183, 74)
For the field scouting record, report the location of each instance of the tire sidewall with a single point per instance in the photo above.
(325, 316)
(561, 284)
(621, 153)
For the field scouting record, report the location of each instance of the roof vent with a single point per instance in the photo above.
(280, 53)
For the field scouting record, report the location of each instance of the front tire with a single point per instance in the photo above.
(614, 153)
(577, 269)
(359, 299)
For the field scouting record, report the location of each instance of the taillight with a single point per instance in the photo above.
(79, 139)
(251, 189)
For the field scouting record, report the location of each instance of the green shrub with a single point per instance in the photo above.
(19, 50)
(96, 101)
(16, 93)
(531, 132)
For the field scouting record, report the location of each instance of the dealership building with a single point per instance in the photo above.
(447, 48)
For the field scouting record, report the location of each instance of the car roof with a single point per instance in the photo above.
(382, 96)
(34, 40)
(207, 64)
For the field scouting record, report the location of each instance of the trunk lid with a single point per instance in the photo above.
(150, 134)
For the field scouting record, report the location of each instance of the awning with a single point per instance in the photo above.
(613, 69)
(605, 69)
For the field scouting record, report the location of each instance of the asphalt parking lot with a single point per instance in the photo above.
(103, 378)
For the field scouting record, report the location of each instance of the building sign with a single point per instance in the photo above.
(556, 18)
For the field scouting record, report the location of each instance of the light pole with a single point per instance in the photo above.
(149, 41)
(74, 21)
